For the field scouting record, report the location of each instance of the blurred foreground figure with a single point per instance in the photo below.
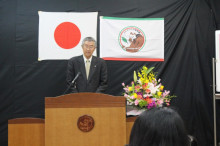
(159, 127)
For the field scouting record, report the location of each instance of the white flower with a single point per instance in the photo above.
(147, 95)
(128, 103)
(153, 88)
(139, 81)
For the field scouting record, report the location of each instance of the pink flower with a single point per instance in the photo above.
(123, 84)
(126, 89)
(165, 93)
(136, 102)
(160, 102)
(154, 99)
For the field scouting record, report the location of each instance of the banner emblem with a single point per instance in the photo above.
(132, 39)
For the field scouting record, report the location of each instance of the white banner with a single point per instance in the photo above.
(132, 39)
(61, 33)
(217, 56)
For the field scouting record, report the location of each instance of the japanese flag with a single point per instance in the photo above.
(61, 33)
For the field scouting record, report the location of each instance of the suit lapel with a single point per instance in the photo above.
(81, 64)
(92, 67)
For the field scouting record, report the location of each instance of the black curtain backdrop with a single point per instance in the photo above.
(186, 71)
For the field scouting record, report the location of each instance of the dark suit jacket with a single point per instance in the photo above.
(97, 81)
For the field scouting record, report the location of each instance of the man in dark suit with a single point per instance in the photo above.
(93, 70)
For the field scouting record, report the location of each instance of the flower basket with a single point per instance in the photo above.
(145, 92)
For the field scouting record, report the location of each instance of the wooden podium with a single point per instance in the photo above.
(84, 119)
(26, 132)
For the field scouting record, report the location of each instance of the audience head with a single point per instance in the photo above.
(159, 127)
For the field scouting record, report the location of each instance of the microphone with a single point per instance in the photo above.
(76, 77)
(73, 81)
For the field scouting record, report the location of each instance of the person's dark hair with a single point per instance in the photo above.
(159, 127)
(193, 140)
(89, 39)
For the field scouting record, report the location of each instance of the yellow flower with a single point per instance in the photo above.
(130, 88)
(146, 81)
(145, 68)
(139, 75)
(135, 95)
(159, 93)
(142, 80)
(143, 73)
(161, 87)
(151, 74)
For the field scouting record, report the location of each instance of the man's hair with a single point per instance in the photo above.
(159, 127)
(89, 39)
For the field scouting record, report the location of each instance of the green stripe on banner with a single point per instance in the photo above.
(119, 18)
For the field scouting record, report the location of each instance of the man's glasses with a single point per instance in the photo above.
(88, 47)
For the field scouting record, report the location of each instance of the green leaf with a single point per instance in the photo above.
(132, 88)
(124, 40)
(149, 70)
(142, 103)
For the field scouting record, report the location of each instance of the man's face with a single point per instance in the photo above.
(88, 48)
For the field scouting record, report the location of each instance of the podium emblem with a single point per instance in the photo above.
(85, 123)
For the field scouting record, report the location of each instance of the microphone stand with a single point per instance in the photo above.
(72, 83)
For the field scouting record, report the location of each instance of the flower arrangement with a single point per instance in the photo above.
(146, 92)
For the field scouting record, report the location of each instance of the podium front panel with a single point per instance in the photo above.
(109, 129)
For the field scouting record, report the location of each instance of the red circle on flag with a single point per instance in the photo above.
(67, 35)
